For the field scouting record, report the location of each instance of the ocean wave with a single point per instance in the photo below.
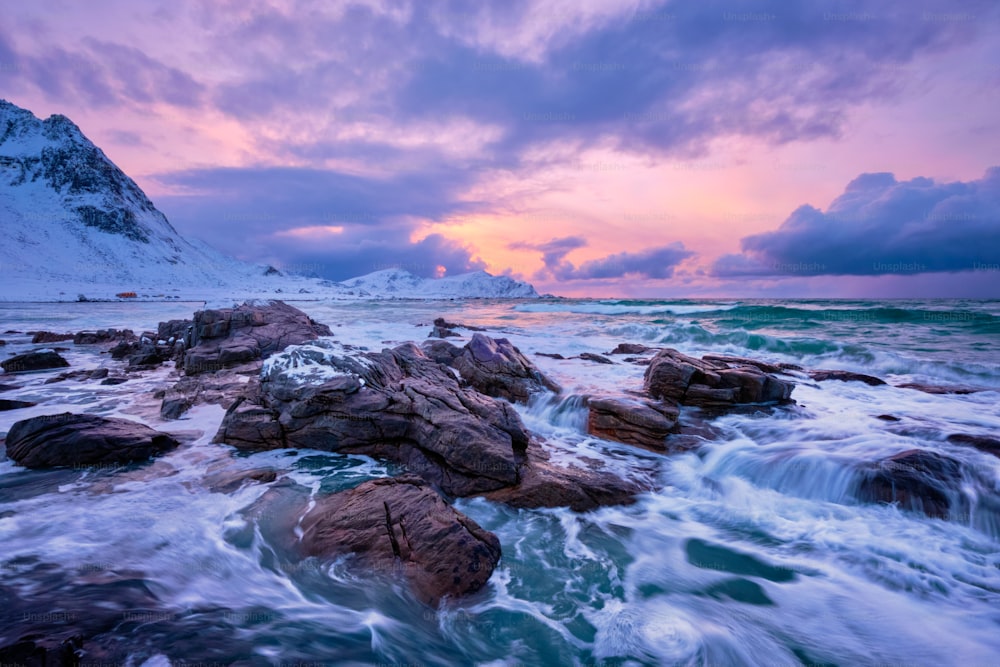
(622, 308)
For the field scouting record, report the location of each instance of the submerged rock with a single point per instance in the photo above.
(81, 439)
(38, 360)
(596, 358)
(960, 390)
(918, 480)
(402, 526)
(983, 443)
(689, 381)
(50, 337)
(231, 336)
(846, 376)
(7, 404)
(496, 368)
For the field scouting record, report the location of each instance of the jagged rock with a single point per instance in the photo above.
(546, 484)
(401, 525)
(689, 381)
(103, 336)
(496, 368)
(8, 404)
(232, 336)
(596, 358)
(441, 351)
(846, 376)
(174, 330)
(39, 360)
(631, 348)
(396, 404)
(80, 439)
(743, 361)
(983, 443)
(632, 421)
(960, 390)
(45, 337)
(222, 388)
(916, 479)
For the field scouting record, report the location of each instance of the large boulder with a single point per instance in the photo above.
(232, 336)
(396, 404)
(401, 525)
(38, 360)
(632, 421)
(917, 480)
(496, 368)
(711, 383)
(69, 439)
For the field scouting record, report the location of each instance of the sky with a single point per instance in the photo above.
(605, 148)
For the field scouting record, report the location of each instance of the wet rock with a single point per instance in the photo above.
(2, 342)
(50, 337)
(39, 360)
(8, 387)
(631, 348)
(147, 357)
(114, 381)
(960, 390)
(7, 404)
(632, 421)
(232, 336)
(401, 525)
(441, 351)
(550, 355)
(689, 381)
(98, 374)
(743, 361)
(918, 480)
(80, 439)
(228, 481)
(888, 418)
(445, 324)
(496, 368)
(983, 443)
(103, 336)
(396, 404)
(70, 375)
(546, 484)
(222, 388)
(596, 358)
(846, 376)
(441, 332)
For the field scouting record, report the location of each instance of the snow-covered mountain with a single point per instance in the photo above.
(403, 284)
(73, 223)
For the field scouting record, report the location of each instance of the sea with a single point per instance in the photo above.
(754, 550)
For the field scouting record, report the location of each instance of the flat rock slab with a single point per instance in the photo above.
(960, 390)
(846, 376)
(401, 525)
(632, 421)
(34, 361)
(69, 439)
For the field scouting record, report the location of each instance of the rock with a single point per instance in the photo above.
(960, 390)
(445, 324)
(441, 332)
(175, 330)
(983, 443)
(39, 360)
(114, 381)
(396, 404)
(103, 336)
(743, 361)
(631, 421)
(441, 351)
(401, 525)
(631, 348)
(590, 356)
(496, 368)
(231, 336)
(846, 376)
(228, 481)
(222, 388)
(550, 355)
(888, 418)
(2, 342)
(80, 439)
(147, 357)
(689, 381)
(69, 375)
(545, 484)
(916, 479)
(123, 349)
(98, 374)
(8, 387)
(7, 404)
(49, 337)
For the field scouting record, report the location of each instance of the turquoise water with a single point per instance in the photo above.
(754, 551)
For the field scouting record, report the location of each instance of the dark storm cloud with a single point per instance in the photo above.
(882, 226)
(653, 263)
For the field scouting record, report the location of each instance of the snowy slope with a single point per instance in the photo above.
(73, 223)
(402, 284)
